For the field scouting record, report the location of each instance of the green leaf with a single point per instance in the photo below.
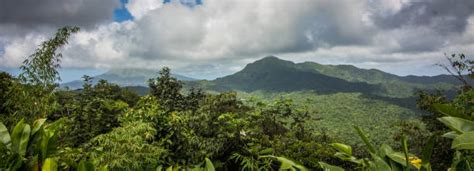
(48, 144)
(364, 138)
(464, 141)
(405, 151)
(50, 164)
(380, 164)
(451, 135)
(449, 110)
(460, 162)
(104, 168)
(328, 167)
(343, 148)
(286, 164)
(85, 165)
(33, 163)
(16, 162)
(16, 135)
(24, 139)
(386, 149)
(395, 166)
(345, 157)
(5, 136)
(427, 151)
(458, 124)
(266, 151)
(209, 165)
(37, 125)
(398, 157)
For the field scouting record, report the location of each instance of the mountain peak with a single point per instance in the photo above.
(273, 60)
(270, 57)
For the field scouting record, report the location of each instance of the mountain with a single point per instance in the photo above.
(276, 75)
(125, 77)
(272, 74)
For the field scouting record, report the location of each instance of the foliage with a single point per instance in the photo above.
(91, 112)
(130, 146)
(41, 67)
(385, 158)
(328, 112)
(29, 148)
(6, 81)
(457, 115)
(167, 90)
(32, 96)
(286, 164)
(459, 119)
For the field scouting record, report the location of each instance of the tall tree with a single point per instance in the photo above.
(167, 90)
(34, 97)
(41, 68)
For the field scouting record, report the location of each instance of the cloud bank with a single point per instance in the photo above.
(219, 37)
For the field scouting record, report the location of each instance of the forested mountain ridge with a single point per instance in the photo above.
(276, 75)
(271, 74)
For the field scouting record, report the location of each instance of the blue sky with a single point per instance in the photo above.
(122, 14)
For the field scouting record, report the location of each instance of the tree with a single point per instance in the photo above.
(94, 112)
(6, 81)
(41, 68)
(167, 90)
(32, 97)
(194, 98)
(459, 66)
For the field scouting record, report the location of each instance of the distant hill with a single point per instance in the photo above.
(272, 74)
(128, 77)
(431, 79)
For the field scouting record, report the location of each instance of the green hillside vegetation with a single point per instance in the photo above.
(267, 126)
(381, 119)
(275, 75)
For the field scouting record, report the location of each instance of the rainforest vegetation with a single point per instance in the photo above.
(175, 126)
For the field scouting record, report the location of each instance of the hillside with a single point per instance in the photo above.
(272, 74)
(275, 75)
(330, 111)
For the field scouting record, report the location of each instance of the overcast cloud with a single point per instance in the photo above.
(220, 37)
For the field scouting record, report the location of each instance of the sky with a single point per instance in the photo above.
(213, 38)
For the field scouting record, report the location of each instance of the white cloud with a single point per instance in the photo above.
(18, 50)
(220, 37)
(138, 8)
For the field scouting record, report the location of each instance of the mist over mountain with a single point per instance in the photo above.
(125, 77)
